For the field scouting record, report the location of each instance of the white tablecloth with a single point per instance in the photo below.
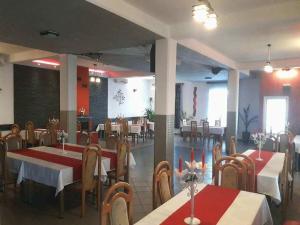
(247, 209)
(268, 177)
(114, 127)
(48, 173)
(135, 128)
(297, 143)
(212, 129)
(23, 132)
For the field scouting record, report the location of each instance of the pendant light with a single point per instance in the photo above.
(204, 13)
(268, 68)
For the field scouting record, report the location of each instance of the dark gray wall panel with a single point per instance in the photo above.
(36, 94)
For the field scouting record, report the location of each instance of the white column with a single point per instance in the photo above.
(7, 93)
(232, 105)
(68, 95)
(165, 81)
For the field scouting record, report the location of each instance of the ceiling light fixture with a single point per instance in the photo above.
(49, 62)
(287, 73)
(268, 68)
(204, 13)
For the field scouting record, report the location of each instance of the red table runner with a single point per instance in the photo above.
(76, 164)
(259, 165)
(210, 205)
(107, 154)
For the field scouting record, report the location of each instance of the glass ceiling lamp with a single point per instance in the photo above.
(268, 68)
(204, 13)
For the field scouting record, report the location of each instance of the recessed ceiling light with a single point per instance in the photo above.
(49, 34)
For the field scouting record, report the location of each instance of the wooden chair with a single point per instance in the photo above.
(15, 129)
(12, 142)
(123, 162)
(270, 144)
(45, 138)
(291, 168)
(52, 128)
(30, 138)
(162, 184)
(144, 128)
(230, 173)
(117, 205)
(284, 183)
(82, 138)
(250, 173)
(205, 132)
(283, 144)
(217, 154)
(91, 157)
(232, 145)
(124, 130)
(194, 131)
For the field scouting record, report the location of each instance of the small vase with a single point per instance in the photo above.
(259, 152)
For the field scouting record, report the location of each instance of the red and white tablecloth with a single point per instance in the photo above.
(213, 205)
(54, 167)
(268, 172)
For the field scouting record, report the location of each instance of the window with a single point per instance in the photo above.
(275, 113)
(217, 105)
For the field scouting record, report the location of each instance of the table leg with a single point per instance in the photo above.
(61, 204)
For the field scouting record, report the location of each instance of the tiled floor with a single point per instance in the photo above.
(43, 209)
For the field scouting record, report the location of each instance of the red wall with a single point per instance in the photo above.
(271, 85)
(83, 91)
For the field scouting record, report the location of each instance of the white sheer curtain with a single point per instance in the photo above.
(217, 104)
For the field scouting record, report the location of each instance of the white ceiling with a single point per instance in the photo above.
(245, 26)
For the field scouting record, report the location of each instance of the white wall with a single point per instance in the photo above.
(202, 99)
(135, 102)
(7, 94)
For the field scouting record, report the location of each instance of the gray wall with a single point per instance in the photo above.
(36, 95)
(249, 94)
(98, 101)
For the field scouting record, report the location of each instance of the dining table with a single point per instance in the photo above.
(57, 166)
(268, 172)
(37, 133)
(217, 130)
(213, 206)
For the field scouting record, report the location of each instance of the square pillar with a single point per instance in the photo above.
(68, 95)
(232, 105)
(165, 82)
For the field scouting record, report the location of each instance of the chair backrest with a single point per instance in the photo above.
(12, 141)
(284, 181)
(107, 127)
(117, 205)
(162, 185)
(52, 128)
(79, 127)
(217, 153)
(232, 145)
(283, 142)
(250, 173)
(217, 123)
(124, 129)
(205, 128)
(45, 138)
(230, 173)
(123, 159)
(29, 133)
(91, 157)
(82, 138)
(193, 127)
(270, 144)
(15, 129)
